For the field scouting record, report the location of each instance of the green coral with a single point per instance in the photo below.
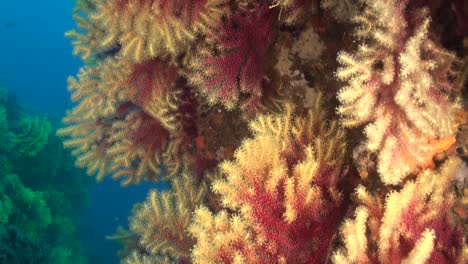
(32, 136)
(40, 190)
(3, 95)
(30, 213)
(6, 208)
(7, 138)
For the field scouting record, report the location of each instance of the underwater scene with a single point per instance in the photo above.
(234, 131)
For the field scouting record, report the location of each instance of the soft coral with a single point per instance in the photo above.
(237, 67)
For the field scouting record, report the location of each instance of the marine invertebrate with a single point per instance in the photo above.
(308, 46)
(86, 40)
(398, 81)
(127, 131)
(162, 221)
(30, 212)
(282, 188)
(32, 135)
(413, 225)
(236, 68)
(88, 127)
(152, 85)
(137, 144)
(169, 87)
(291, 12)
(147, 29)
(137, 258)
(342, 10)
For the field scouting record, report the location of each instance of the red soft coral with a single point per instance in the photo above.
(237, 67)
(150, 78)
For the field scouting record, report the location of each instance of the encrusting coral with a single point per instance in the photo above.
(238, 95)
(398, 82)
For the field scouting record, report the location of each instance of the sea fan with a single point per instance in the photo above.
(399, 82)
(282, 188)
(236, 68)
(147, 29)
(413, 225)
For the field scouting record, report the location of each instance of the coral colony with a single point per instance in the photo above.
(40, 189)
(290, 131)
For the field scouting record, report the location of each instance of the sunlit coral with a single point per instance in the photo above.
(152, 86)
(282, 186)
(413, 226)
(398, 82)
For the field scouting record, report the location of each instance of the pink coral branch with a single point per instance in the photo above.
(238, 69)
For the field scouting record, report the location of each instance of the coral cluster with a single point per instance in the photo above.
(412, 225)
(40, 190)
(398, 82)
(232, 103)
(282, 188)
(162, 220)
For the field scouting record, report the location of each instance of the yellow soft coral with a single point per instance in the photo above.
(414, 226)
(113, 131)
(162, 221)
(398, 83)
(139, 258)
(281, 186)
(87, 39)
(147, 29)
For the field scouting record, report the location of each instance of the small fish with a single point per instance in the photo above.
(10, 24)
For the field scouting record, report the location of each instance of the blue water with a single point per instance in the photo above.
(35, 61)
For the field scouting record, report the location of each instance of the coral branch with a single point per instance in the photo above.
(398, 81)
(282, 184)
(237, 69)
(415, 225)
(147, 29)
(111, 134)
(162, 221)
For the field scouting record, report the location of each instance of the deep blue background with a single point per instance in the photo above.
(35, 61)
